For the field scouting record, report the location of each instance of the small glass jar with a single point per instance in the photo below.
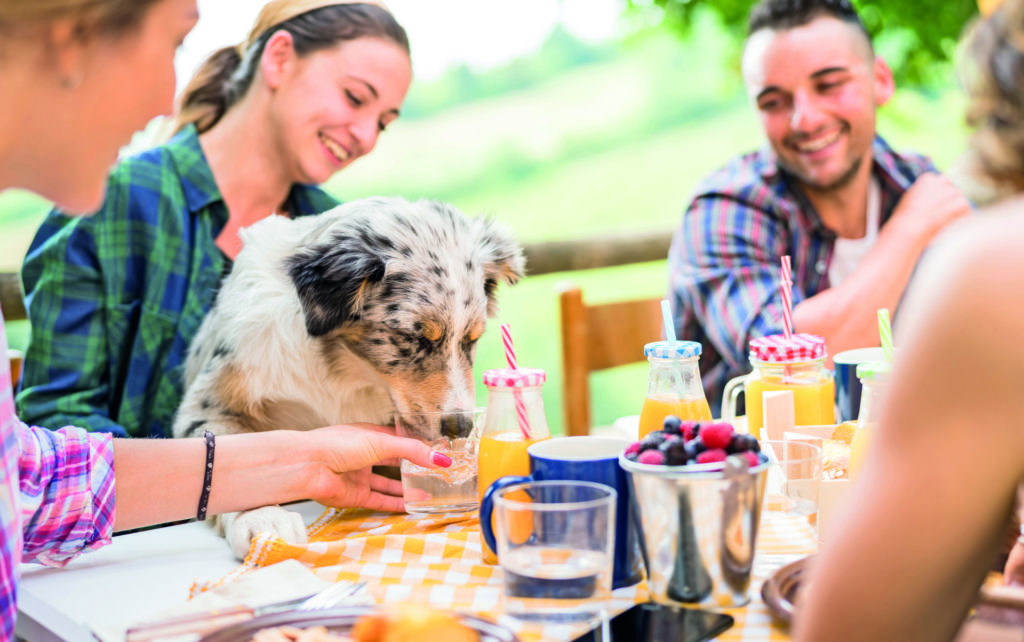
(514, 420)
(673, 385)
(796, 364)
(873, 377)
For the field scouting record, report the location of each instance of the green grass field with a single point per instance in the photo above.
(612, 147)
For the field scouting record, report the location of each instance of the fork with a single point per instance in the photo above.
(331, 596)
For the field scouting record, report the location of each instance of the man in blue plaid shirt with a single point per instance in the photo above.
(854, 215)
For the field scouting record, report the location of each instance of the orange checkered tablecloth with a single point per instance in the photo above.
(438, 560)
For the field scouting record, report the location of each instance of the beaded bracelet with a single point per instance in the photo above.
(204, 496)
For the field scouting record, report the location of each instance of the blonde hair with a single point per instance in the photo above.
(994, 79)
(109, 18)
(314, 25)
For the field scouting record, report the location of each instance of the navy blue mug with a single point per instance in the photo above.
(848, 386)
(589, 459)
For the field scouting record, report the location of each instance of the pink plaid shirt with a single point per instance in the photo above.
(56, 494)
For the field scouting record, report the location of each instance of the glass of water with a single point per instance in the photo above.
(555, 546)
(793, 483)
(442, 490)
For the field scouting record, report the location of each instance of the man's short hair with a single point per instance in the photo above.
(787, 14)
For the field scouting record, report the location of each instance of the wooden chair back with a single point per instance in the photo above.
(597, 337)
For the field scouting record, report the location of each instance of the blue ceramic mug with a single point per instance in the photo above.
(848, 386)
(589, 459)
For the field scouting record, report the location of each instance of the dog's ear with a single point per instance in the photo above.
(502, 259)
(332, 279)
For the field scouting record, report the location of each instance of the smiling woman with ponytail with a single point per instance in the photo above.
(116, 298)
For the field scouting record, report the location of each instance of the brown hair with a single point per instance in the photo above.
(994, 79)
(227, 74)
(108, 18)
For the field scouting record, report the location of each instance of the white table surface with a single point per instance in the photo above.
(137, 575)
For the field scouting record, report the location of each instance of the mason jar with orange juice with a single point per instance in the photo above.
(796, 364)
(514, 420)
(673, 385)
(873, 376)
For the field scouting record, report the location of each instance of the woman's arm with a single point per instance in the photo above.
(926, 517)
(158, 480)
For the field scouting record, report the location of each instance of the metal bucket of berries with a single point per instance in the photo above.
(697, 490)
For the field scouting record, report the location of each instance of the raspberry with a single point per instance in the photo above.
(689, 429)
(632, 449)
(752, 458)
(716, 435)
(671, 425)
(711, 456)
(675, 452)
(653, 457)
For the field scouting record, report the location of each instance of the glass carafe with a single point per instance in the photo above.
(673, 385)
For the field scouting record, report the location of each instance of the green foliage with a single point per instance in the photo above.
(916, 37)
(559, 53)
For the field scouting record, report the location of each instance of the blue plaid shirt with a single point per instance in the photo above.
(116, 298)
(725, 256)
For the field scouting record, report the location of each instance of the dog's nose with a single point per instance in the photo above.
(457, 425)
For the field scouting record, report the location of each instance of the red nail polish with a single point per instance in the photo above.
(440, 459)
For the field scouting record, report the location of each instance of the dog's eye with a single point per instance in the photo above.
(432, 331)
(475, 332)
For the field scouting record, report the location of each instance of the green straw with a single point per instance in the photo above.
(666, 315)
(885, 334)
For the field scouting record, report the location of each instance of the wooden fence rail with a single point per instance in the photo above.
(541, 258)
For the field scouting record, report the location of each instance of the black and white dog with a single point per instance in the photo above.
(371, 308)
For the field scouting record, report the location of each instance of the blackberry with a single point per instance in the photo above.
(675, 452)
(652, 440)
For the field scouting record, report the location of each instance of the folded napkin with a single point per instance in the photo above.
(257, 589)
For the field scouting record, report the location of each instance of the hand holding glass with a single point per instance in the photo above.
(441, 490)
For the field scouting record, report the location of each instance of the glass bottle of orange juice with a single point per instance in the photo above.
(673, 385)
(796, 364)
(873, 376)
(514, 420)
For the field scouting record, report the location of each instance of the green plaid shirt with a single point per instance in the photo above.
(115, 299)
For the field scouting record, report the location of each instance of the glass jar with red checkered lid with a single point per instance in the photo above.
(796, 363)
(514, 420)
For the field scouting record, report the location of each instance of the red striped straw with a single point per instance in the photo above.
(517, 395)
(787, 299)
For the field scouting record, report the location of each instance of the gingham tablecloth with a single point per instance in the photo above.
(438, 560)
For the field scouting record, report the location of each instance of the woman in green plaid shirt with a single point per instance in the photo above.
(116, 298)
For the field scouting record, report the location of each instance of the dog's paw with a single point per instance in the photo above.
(286, 524)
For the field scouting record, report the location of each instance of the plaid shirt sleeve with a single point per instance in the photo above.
(724, 272)
(67, 492)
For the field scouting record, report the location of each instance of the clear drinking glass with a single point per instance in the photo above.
(555, 545)
(442, 490)
(794, 482)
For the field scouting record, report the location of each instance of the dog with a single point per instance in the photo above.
(348, 316)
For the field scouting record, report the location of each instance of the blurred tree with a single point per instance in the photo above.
(916, 37)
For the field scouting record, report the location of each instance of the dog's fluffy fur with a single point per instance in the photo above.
(348, 316)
